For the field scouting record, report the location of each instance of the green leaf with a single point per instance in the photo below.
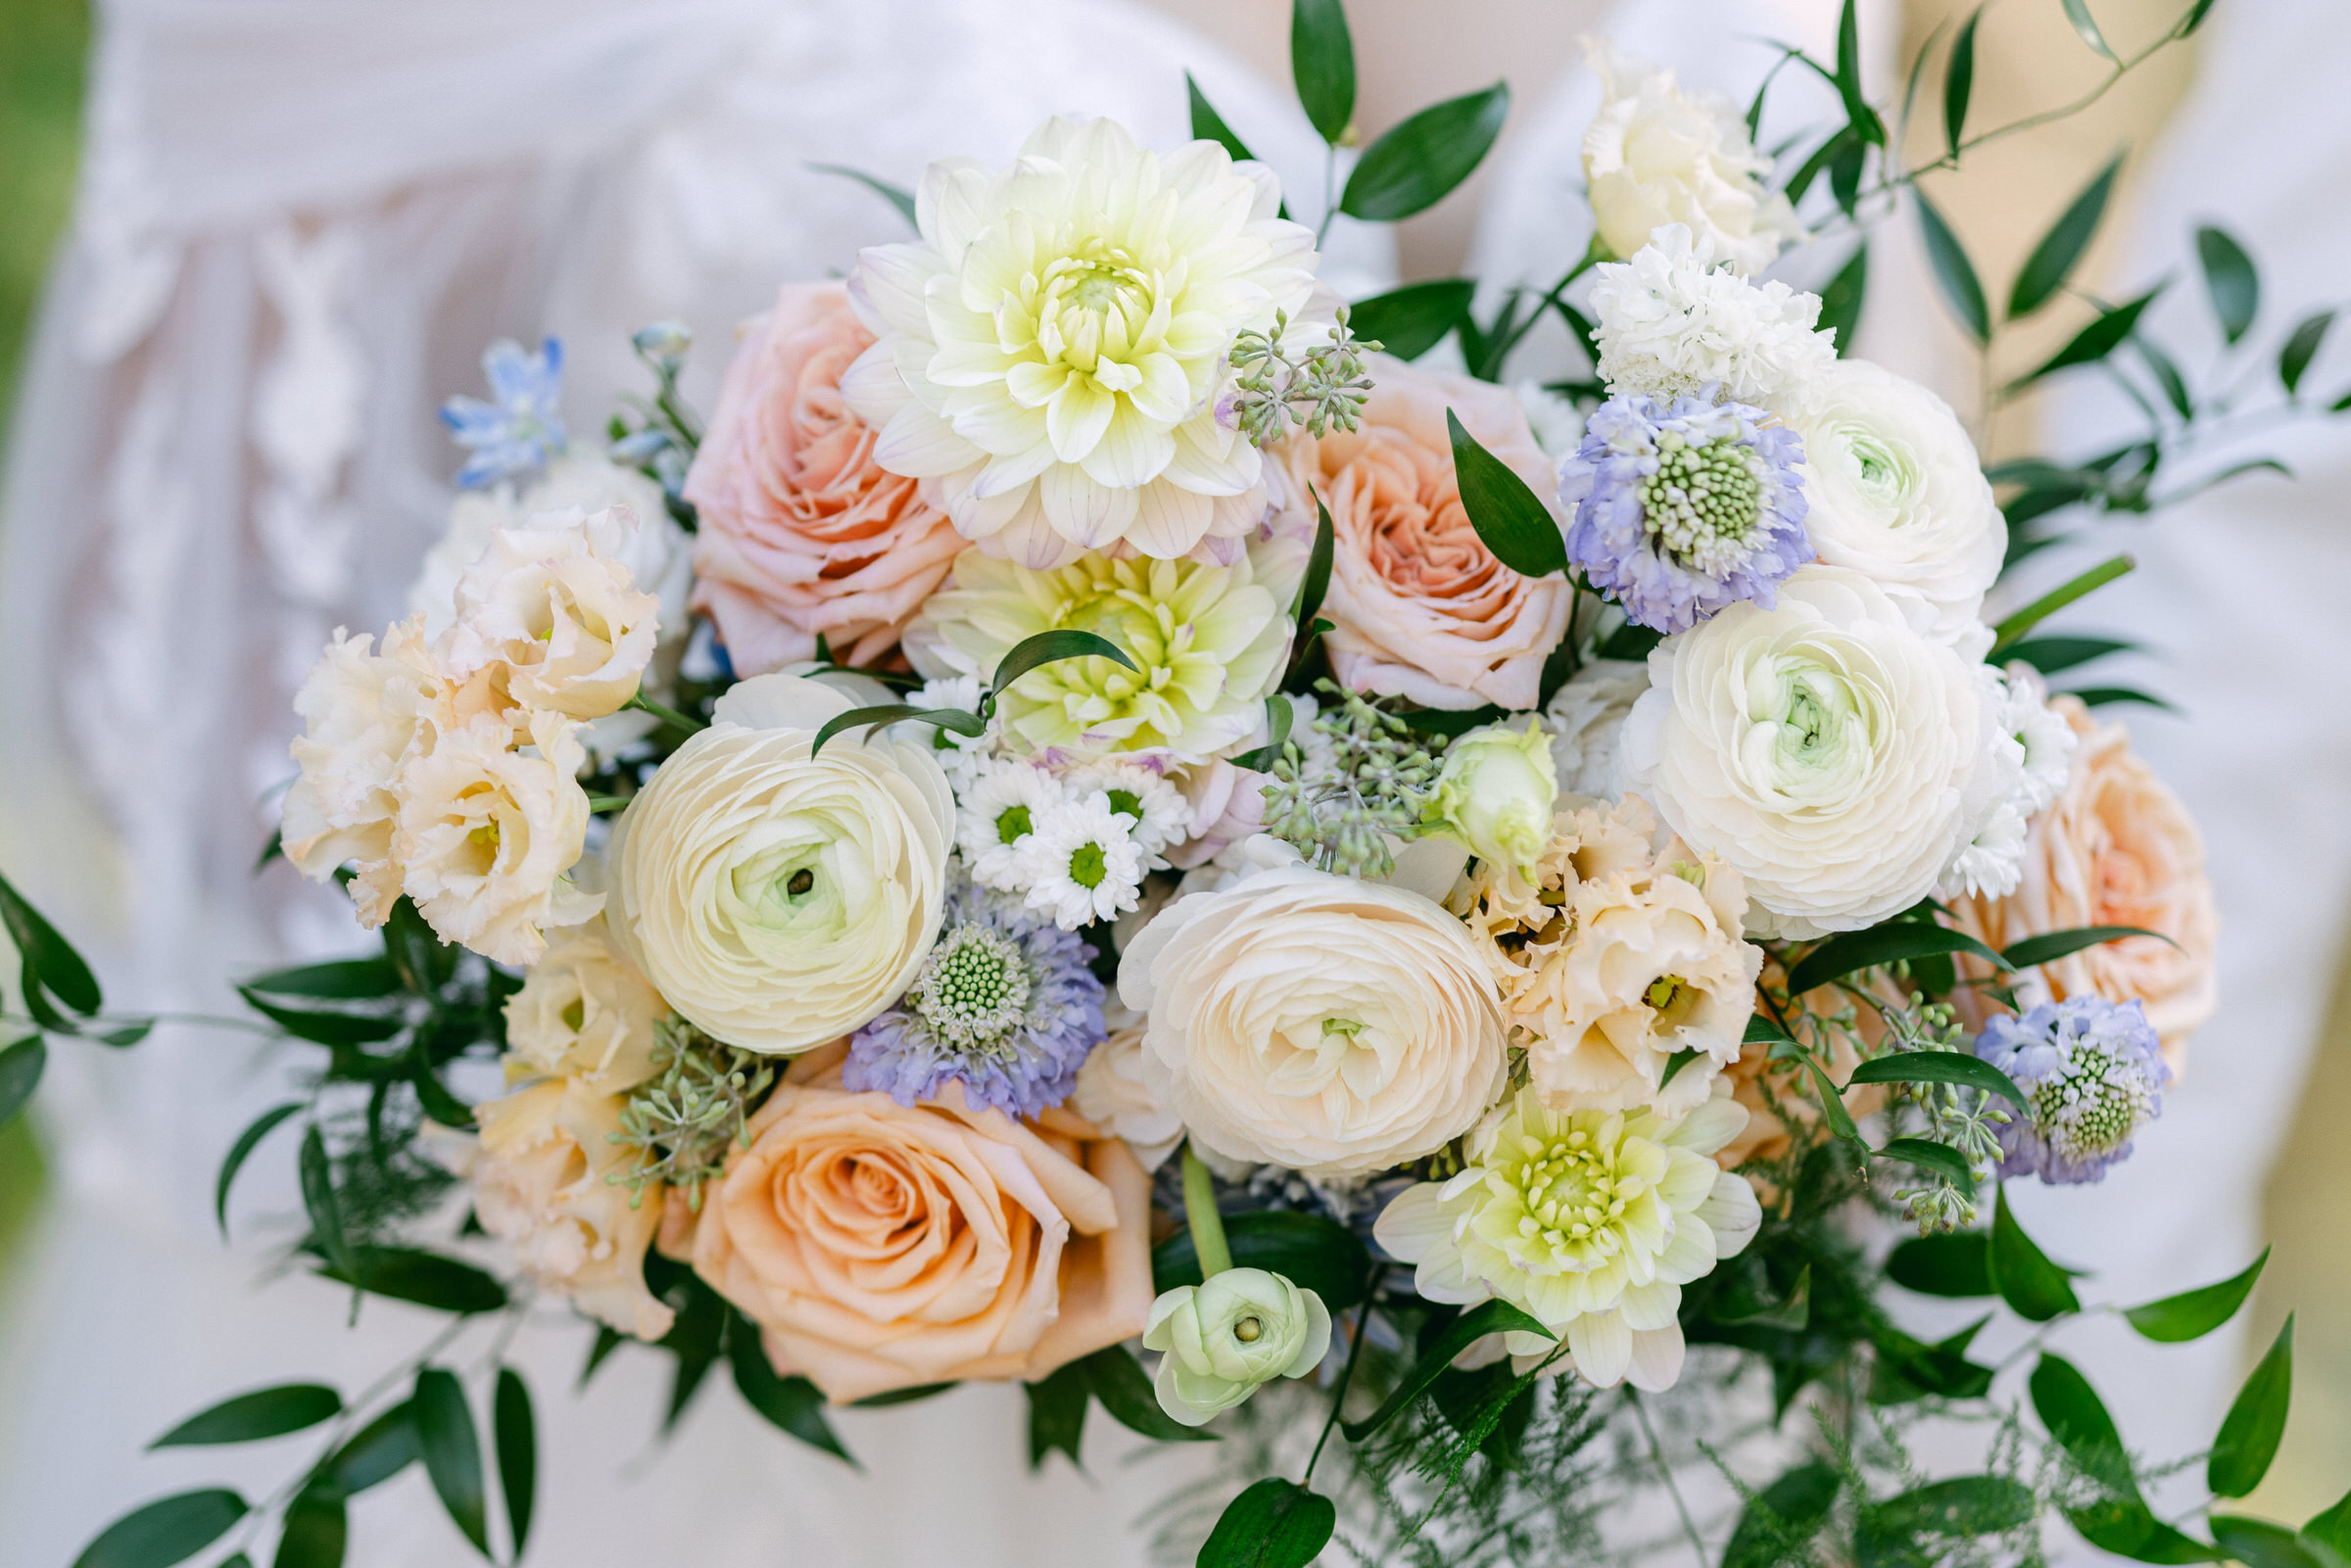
(2302, 348)
(1959, 82)
(2260, 1544)
(21, 1066)
(2034, 1288)
(347, 980)
(1316, 584)
(2052, 945)
(1048, 647)
(1857, 113)
(2125, 1526)
(1508, 518)
(246, 1141)
(2230, 280)
(424, 1278)
(791, 1405)
(317, 1529)
(2077, 12)
(1963, 1505)
(897, 196)
(1894, 942)
(2167, 373)
(1124, 1388)
(515, 1435)
(1486, 1317)
(2053, 655)
(2054, 259)
(1675, 1063)
(1928, 1155)
(1958, 1264)
(1057, 1416)
(165, 1531)
(452, 1452)
(2012, 630)
(921, 1391)
(2250, 1432)
(1274, 1524)
(1409, 321)
(2333, 1527)
(383, 1449)
(2094, 342)
(325, 1026)
(2193, 20)
(1785, 1514)
(1831, 1101)
(1907, 1369)
(1841, 301)
(1209, 126)
(1954, 273)
(1792, 1311)
(888, 713)
(271, 1412)
(1322, 65)
(318, 1202)
(1314, 1253)
(1279, 718)
(1418, 162)
(48, 955)
(1939, 1066)
(2077, 1419)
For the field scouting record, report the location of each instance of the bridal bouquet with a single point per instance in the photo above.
(1107, 823)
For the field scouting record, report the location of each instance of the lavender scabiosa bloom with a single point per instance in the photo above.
(2095, 1072)
(520, 428)
(1681, 509)
(1005, 1006)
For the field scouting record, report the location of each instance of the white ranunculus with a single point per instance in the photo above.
(1896, 494)
(1656, 155)
(779, 900)
(585, 1013)
(1670, 320)
(1052, 350)
(1315, 1022)
(1586, 720)
(1496, 792)
(548, 611)
(1824, 749)
(1227, 1339)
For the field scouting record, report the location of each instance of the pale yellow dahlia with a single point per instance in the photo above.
(1052, 350)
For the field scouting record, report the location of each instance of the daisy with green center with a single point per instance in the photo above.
(1154, 808)
(1590, 1220)
(1000, 809)
(1080, 864)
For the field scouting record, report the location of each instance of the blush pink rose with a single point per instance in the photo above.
(801, 531)
(1422, 609)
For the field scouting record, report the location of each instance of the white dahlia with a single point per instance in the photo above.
(1052, 348)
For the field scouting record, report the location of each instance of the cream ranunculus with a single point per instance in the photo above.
(775, 899)
(551, 612)
(487, 835)
(1052, 348)
(1495, 794)
(1330, 1025)
(1229, 1337)
(1656, 155)
(1824, 749)
(539, 1171)
(1897, 494)
(585, 1013)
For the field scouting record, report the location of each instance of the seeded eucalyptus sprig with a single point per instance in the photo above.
(1339, 813)
(1323, 389)
(685, 1120)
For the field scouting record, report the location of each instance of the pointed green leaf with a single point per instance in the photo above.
(2261, 1544)
(1831, 1103)
(791, 1405)
(1894, 942)
(2302, 347)
(2250, 1432)
(317, 1529)
(2333, 1527)
(2077, 12)
(1675, 1063)
(1048, 647)
(1279, 718)
(21, 1066)
(1928, 1155)
(1958, 1264)
(1209, 126)
(1858, 115)
(2052, 656)
(515, 1435)
(1057, 1416)
(1508, 518)
(2230, 279)
(897, 196)
(2193, 20)
(345, 981)
(2033, 1287)
(2050, 946)
(319, 1201)
(1274, 1524)
(326, 1025)
(61, 969)
(882, 713)
(1322, 65)
(1939, 1066)
(2167, 375)
(1124, 1388)
(1487, 1317)
(2054, 259)
(271, 1412)
(2077, 1419)
(1841, 301)
(165, 1531)
(2125, 1526)
(1963, 1505)
(1409, 321)
(384, 1446)
(427, 1279)
(1959, 82)
(2013, 629)
(2094, 342)
(1954, 273)
(1418, 162)
(1786, 1514)
(453, 1451)
(1316, 584)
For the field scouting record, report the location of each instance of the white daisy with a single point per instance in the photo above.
(1154, 808)
(1001, 809)
(1080, 863)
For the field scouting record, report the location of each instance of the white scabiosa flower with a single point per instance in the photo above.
(1051, 349)
(1592, 1221)
(1670, 323)
(1586, 718)
(1002, 805)
(1156, 811)
(1081, 865)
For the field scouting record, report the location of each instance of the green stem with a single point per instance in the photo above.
(2011, 631)
(669, 716)
(601, 803)
(1338, 1400)
(1200, 1213)
(1656, 1454)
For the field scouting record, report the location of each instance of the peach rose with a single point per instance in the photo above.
(1422, 609)
(881, 1247)
(800, 532)
(2117, 848)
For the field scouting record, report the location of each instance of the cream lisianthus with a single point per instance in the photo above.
(1824, 749)
(1112, 1095)
(585, 1013)
(550, 614)
(1052, 346)
(779, 900)
(1330, 1025)
(1229, 1337)
(1656, 155)
(1208, 644)
(364, 713)
(1592, 1221)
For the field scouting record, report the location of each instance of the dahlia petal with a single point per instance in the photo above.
(1657, 1358)
(1603, 1346)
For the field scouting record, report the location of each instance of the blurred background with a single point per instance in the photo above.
(1411, 52)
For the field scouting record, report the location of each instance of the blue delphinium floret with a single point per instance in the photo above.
(521, 426)
(2096, 1075)
(1005, 1005)
(1682, 510)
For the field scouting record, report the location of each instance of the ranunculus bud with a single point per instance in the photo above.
(1245, 1327)
(1496, 793)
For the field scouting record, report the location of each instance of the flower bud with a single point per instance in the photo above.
(1496, 793)
(1244, 1328)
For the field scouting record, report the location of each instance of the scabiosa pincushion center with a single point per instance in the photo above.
(2095, 1072)
(1683, 508)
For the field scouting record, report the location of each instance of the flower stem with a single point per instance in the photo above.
(1338, 1400)
(1656, 1454)
(1200, 1213)
(669, 716)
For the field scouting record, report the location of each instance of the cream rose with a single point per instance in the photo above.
(1422, 610)
(779, 900)
(585, 1013)
(539, 1171)
(803, 533)
(1897, 494)
(1112, 1094)
(1823, 748)
(881, 1247)
(551, 614)
(2116, 848)
(1309, 1020)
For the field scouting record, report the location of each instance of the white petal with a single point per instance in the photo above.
(1602, 1347)
(1653, 1305)
(1413, 1224)
(1656, 1357)
(1709, 1127)
(1732, 1212)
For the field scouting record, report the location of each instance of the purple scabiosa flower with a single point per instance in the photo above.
(1005, 1006)
(1683, 509)
(521, 427)
(2095, 1072)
